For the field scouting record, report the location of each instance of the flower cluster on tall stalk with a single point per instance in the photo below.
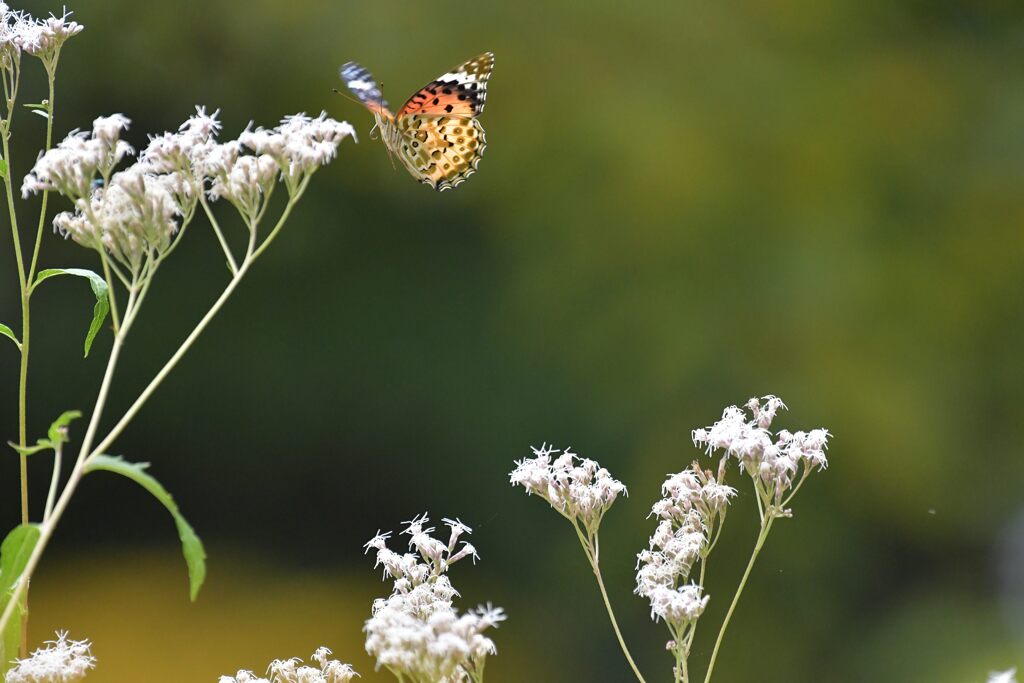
(416, 633)
(671, 571)
(131, 218)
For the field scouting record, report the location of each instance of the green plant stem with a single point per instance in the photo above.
(682, 674)
(766, 527)
(592, 551)
(5, 136)
(251, 256)
(25, 280)
(48, 525)
(51, 77)
(87, 452)
(51, 496)
(220, 235)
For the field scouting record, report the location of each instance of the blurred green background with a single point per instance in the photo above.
(681, 205)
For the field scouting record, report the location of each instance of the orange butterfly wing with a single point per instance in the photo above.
(441, 142)
(461, 92)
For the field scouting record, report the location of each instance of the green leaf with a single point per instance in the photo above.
(14, 554)
(41, 445)
(4, 330)
(191, 546)
(3, 168)
(99, 288)
(56, 431)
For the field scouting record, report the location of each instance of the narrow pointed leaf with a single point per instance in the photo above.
(3, 168)
(99, 288)
(14, 554)
(55, 434)
(191, 546)
(6, 331)
(41, 445)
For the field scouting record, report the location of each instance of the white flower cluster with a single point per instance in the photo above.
(62, 661)
(131, 214)
(773, 461)
(42, 38)
(299, 145)
(693, 503)
(416, 632)
(578, 488)
(294, 671)
(137, 211)
(293, 150)
(71, 167)
(1009, 676)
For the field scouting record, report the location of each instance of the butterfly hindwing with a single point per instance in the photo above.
(459, 92)
(361, 84)
(441, 151)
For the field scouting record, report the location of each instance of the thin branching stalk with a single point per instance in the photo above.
(11, 95)
(87, 453)
(766, 527)
(592, 550)
(51, 496)
(25, 285)
(220, 234)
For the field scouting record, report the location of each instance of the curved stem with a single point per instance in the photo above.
(87, 452)
(590, 551)
(796, 488)
(169, 365)
(767, 527)
(54, 480)
(47, 527)
(250, 258)
(220, 235)
(284, 216)
(115, 318)
(46, 195)
(10, 93)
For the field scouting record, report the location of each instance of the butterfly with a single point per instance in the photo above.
(435, 134)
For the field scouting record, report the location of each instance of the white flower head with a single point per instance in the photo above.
(71, 167)
(15, 29)
(299, 145)
(417, 631)
(108, 129)
(61, 661)
(185, 150)
(677, 606)
(776, 460)
(294, 671)
(578, 488)
(45, 37)
(1008, 676)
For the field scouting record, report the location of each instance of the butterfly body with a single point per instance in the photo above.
(435, 134)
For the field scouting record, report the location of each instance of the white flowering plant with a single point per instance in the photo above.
(690, 515)
(130, 212)
(415, 633)
(62, 661)
(293, 670)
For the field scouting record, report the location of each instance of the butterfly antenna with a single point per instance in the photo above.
(346, 96)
